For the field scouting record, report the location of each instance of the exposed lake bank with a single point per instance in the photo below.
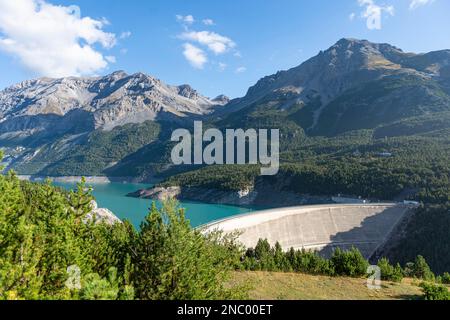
(261, 196)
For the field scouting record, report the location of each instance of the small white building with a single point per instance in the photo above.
(385, 155)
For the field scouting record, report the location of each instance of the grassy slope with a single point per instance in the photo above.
(290, 286)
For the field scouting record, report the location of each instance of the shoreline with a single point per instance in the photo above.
(75, 179)
(263, 196)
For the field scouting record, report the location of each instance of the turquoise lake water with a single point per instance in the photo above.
(113, 197)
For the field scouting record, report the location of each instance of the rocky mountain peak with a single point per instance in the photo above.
(346, 64)
(349, 54)
(112, 100)
(117, 75)
(187, 91)
(221, 99)
(352, 44)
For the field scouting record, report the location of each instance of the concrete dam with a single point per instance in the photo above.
(320, 228)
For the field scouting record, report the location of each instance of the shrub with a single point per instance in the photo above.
(311, 262)
(445, 278)
(96, 288)
(419, 269)
(261, 258)
(172, 261)
(390, 272)
(434, 292)
(349, 263)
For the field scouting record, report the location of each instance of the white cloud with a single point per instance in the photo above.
(241, 69)
(237, 54)
(189, 19)
(373, 13)
(208, 22)
(198, 44)
(196, 56)
(352, 16)
(111, 59)
(125, 34)
(215, 42)
(222, 66)
(418, 3)
(52, 40)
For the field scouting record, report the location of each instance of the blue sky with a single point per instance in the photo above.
(215, 46)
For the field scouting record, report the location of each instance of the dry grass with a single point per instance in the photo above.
(382, 63)
(290, 286)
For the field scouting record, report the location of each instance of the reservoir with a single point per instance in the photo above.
(113, 197)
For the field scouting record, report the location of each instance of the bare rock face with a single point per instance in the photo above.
(102, 215)
(221, 100)
(240, 197)
(157, 193)
(104, 102)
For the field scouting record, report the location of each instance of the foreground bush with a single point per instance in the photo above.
(265, 258)
(445, 278)
(171, 261)
(390, 272)
(342, 263)
(350, 263)
(434, 292)
(419, 269)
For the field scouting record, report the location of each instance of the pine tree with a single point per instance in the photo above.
(173, 261)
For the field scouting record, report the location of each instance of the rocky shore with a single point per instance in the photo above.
(102, 215)
(259, 195)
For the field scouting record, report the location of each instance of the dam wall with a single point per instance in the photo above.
(321, 228)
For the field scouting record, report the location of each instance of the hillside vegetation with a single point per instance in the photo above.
(52, 248)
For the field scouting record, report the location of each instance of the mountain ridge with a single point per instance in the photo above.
(296, 75)
(114, 99)
(355, 85)
(347, 65)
